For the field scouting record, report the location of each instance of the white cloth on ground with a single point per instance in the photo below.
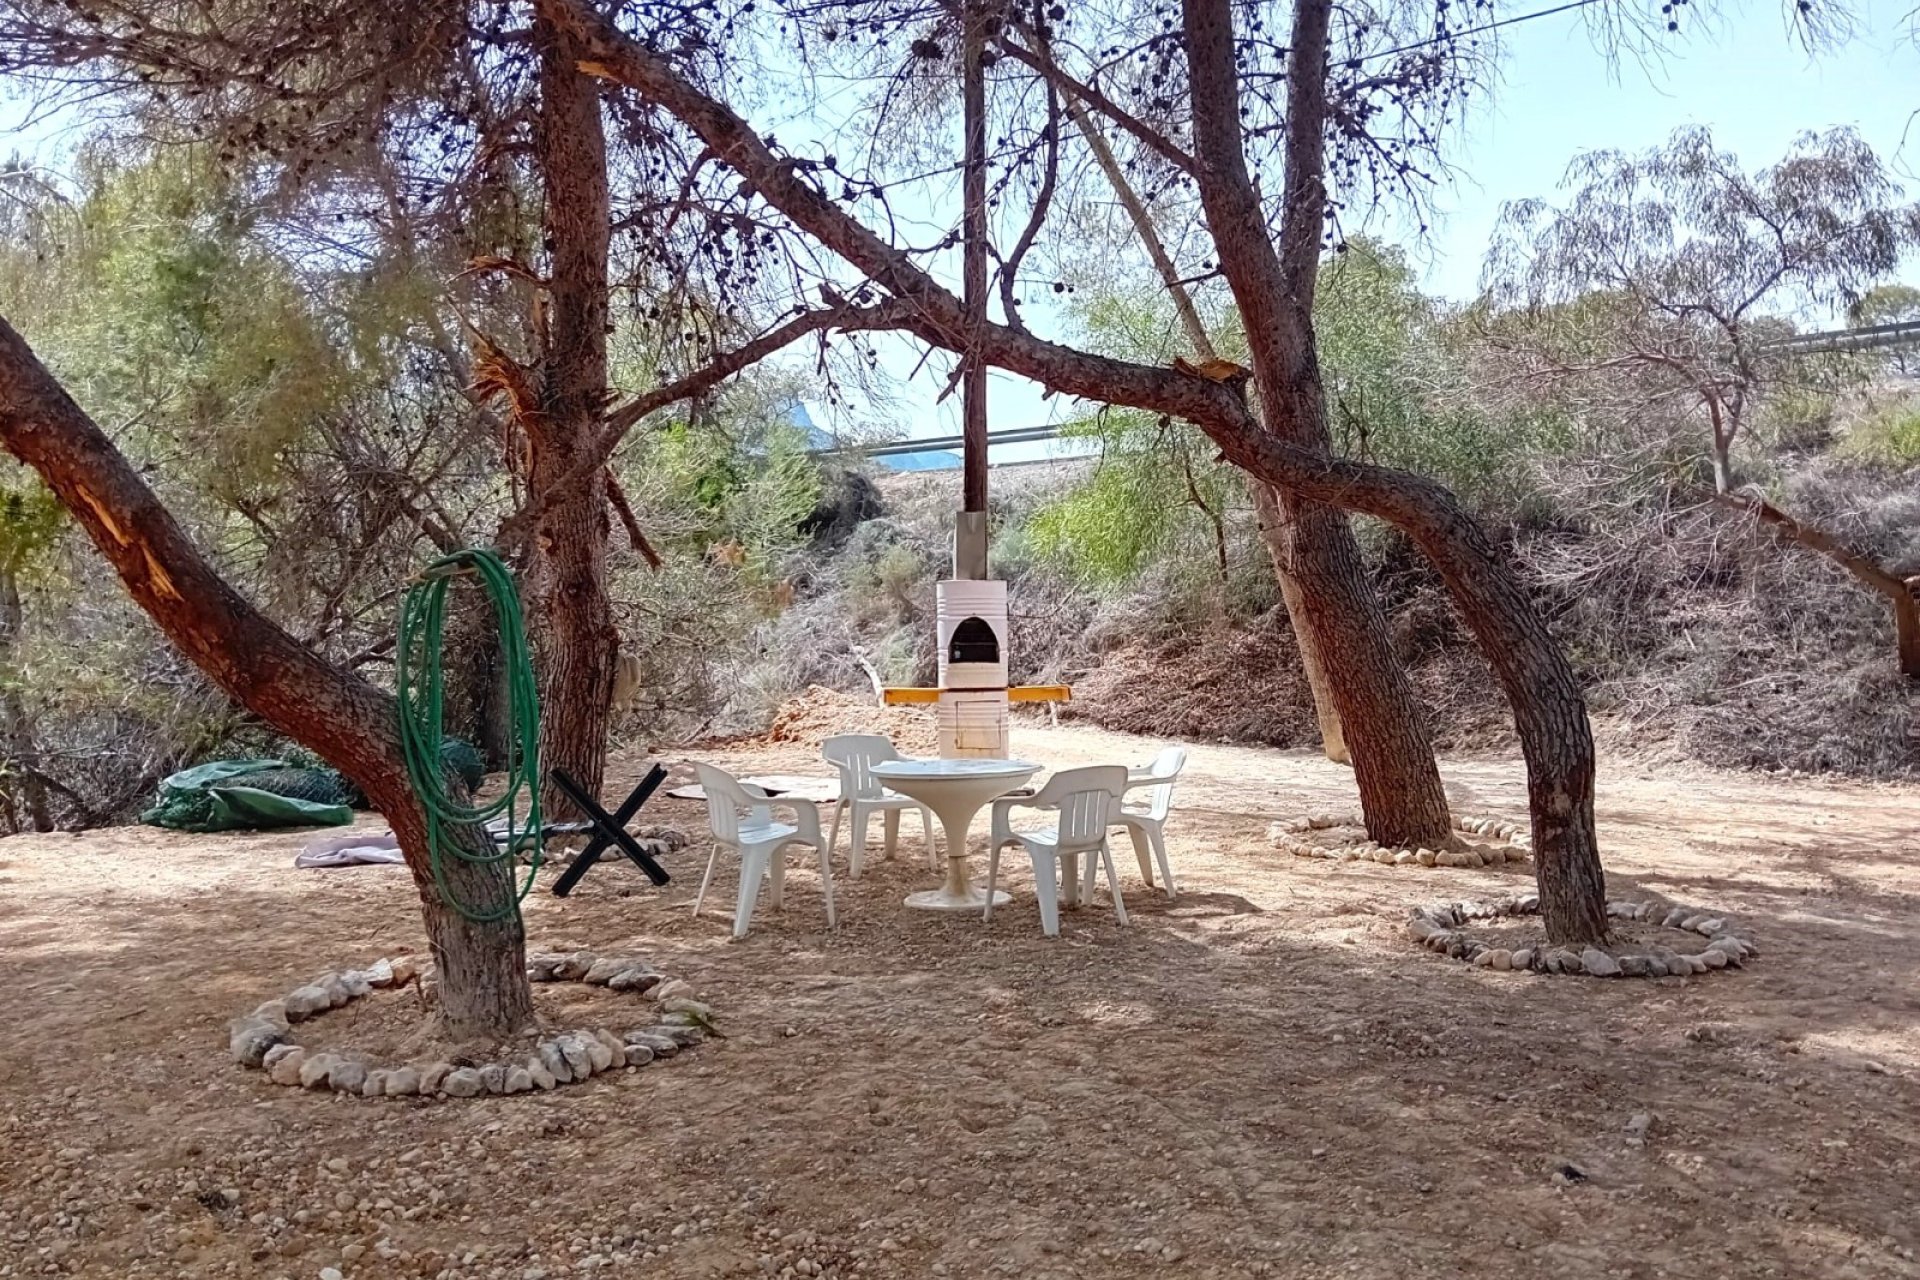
(356, 849)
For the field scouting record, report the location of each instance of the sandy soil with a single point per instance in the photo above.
(1263, 1077)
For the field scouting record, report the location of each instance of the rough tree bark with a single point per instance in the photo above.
(1549, 713)
(348, 722)
(1385, 729)
(1273, 524)
(23, 756)
(575, 638)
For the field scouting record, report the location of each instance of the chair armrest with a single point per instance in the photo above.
(806, 816)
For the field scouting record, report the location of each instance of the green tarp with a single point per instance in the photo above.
(242, 795)
(216, 797)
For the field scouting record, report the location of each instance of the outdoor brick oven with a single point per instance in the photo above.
(970, 624)
(971, 627)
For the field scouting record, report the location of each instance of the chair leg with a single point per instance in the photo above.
(705, 880)
(890, 828)
(1070, 879)
(1158, 835)
(1086, 882)
(833, 837)
(993, 878)
(753, 869)
(1140, 853)
(1113, 880)
(857, 838)
(826, 884)
(1046, 887)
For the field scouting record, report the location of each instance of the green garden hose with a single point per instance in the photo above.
(455, 826)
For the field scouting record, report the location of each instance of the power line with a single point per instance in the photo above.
(1482, 29)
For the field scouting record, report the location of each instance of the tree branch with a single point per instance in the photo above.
(248, 655)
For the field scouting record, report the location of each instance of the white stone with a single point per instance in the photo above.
(375, 1085)
(461, 1083)
(347, 1076)
(1599, 964)
(249, 1038)
(304, 1002)
(273, 1011)
(315, 1070)
(519, 1080)
(603, 970)
(284, 1067)
(579, 1060)
(402, 1082)
(555, 1061)
(433, 1075)
(637, 1055)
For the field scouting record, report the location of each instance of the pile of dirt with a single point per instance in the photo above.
(1227, 684)
(1244, 684)
(820, 713)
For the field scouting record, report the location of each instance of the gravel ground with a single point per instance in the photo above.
(1262, 1077)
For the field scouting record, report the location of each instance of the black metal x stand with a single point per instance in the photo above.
(609, 829)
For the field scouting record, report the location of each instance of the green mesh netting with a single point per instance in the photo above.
(464, 762)
(252, 794)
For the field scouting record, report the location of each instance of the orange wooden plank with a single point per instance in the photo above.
(902, 697)
(1040, 693)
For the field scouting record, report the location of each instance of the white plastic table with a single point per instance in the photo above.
(956, 790)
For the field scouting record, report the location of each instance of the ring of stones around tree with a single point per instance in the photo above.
(1440, 928)
(263, 1038)
(1299, 838)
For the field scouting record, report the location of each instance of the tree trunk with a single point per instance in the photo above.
(1385, 731)
(476, 703)
(575, 638)
(348, 722)
(1333, 739)
(482, 964)
(1273, 533)
(1549, 714)
(22, 755)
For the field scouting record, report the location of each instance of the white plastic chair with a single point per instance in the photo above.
(862, 795)
(1085, 802)
(759, 841)
(1146, 818)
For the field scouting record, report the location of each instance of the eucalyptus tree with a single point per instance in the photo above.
(1678, 278)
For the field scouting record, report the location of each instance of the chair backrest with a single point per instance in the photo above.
(1086, 799)
(855, 754)
(725, 799)
(1165, 768)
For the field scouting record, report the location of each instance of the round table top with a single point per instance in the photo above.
(968, 768)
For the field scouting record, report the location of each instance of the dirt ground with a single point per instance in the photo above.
(1263, 1077)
